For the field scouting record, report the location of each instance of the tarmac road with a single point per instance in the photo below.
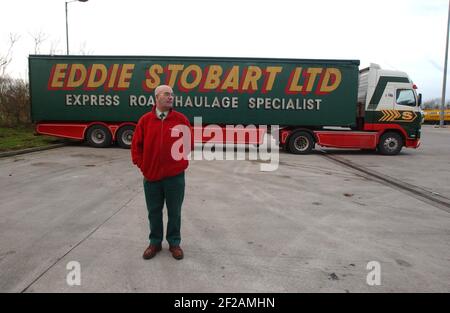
(427, 167)
(311, 226)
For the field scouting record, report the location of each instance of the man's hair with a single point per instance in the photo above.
(158, 89)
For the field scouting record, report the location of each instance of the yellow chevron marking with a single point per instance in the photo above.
(385, 115)
(391, 115)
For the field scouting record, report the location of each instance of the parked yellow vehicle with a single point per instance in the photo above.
(434, 115)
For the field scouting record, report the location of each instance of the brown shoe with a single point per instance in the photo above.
(177, 252)
(151, 251)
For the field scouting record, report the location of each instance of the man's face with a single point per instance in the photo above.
(164, 99)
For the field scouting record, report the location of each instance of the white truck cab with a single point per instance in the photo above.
(387, 90)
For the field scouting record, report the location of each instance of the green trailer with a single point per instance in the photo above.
(101, 98)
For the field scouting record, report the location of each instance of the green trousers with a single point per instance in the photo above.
(171, 191)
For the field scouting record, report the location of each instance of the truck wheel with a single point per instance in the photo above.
(390, 143)
(125, 136)
(301, 143)
(98, 136)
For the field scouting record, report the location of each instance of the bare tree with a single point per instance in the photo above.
(14, 102)
(38, 38)
(6, 59)
(54, 47)
(83, 50)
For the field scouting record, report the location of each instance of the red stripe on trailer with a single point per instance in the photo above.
(218, 134)
(75, 130)
(72, 131)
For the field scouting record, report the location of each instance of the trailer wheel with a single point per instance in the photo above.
(391, 143)
(301, 143)
(98, 136)
(125, 136)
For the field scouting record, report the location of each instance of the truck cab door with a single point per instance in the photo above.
(409, 111)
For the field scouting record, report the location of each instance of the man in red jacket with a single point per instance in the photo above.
(163, 170)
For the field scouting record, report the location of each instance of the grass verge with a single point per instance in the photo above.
(23, 137)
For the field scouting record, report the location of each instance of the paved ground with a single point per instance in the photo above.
(311, 226)
(427, 167)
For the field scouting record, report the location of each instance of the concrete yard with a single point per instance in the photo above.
(313, 225)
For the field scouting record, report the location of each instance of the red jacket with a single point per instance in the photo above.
(152, 144)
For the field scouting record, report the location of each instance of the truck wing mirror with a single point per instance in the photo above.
(420, 100)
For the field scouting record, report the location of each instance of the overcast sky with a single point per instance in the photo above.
(407, 35)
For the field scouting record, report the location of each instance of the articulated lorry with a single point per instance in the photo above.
(326, 102)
